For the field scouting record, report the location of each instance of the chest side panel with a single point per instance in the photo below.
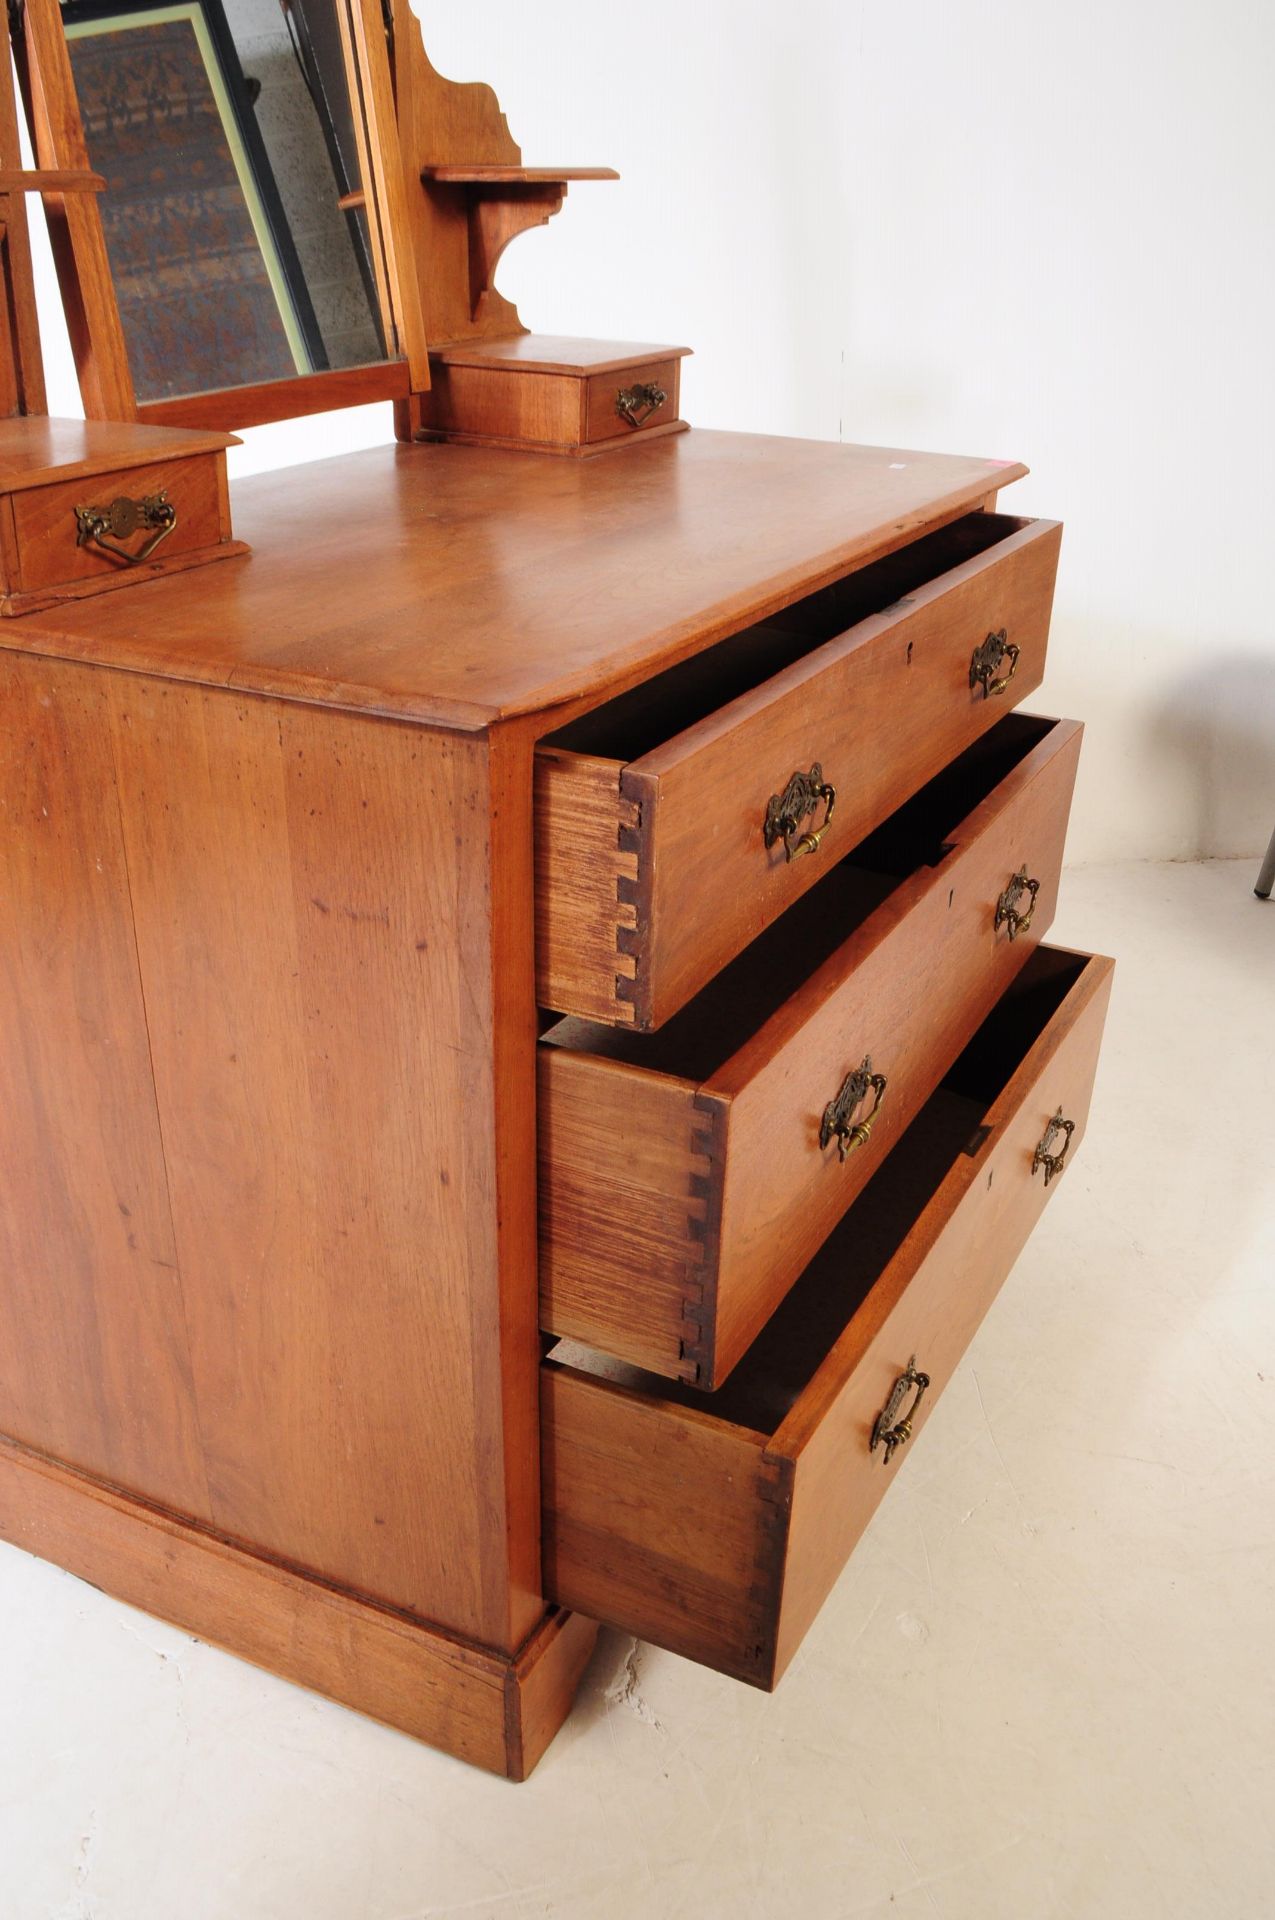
(94, 1362)
(315, 910)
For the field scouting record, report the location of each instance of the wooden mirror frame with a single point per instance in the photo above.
(83, 267)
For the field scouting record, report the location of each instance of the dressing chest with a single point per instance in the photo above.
(295, 874)
(526, 1040)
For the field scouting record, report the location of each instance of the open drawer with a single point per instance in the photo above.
(715, 1526)
(687, 1176)
(676, 822)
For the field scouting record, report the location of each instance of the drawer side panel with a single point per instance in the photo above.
(838, 1482)
(661, 1521)
(586, 878)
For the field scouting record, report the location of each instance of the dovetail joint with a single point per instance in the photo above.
(703, 1227)
(628, 897)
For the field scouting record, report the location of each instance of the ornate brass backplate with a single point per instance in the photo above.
(1053, 1162)
(105, 527)
(986, 659)
(786, 812)
(1007, 914)
(637, 403)
(889, 1431)
(838, 1121)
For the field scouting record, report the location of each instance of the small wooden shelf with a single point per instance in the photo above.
(483, 176)
(50, 180)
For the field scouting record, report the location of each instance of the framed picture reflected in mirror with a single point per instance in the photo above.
(236, 229)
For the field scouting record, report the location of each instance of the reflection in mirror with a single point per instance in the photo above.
(239, 245)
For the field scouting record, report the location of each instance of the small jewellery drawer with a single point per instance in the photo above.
(687, 1176)
(715, 1525)
(619, 405)
(679, 820)
(108, 526)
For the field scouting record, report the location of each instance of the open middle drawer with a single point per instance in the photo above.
(715, 1524)
(678, 820)
(687, 1176)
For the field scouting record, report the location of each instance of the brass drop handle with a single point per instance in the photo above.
(786, 812)
(888, 1430)
(838, 1121)
(1053, 1162)
(985, 662)
(1007, 914)
(105, 527)
(637, 403)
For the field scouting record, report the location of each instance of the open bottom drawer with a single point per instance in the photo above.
(716, 1526)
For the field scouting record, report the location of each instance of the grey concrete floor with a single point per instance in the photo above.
(1043, 1687)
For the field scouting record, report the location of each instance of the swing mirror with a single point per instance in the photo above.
(243, 214)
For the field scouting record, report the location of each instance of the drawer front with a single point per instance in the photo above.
(623, 405)
(675, 1216)
(718, 1535)
(46, 529)
(653, 874)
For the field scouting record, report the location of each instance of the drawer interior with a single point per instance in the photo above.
(768, 1381)
(695, 1043)
(635, 723)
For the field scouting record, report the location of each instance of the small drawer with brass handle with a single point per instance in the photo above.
(788, 812)
(632, 403)
(687, 1175)
(1008, 914)
(112, 526)
(715, 1524)
(678, 821)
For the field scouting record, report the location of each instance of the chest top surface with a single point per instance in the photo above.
(462, 586)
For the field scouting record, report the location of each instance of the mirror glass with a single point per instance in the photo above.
(239, 244)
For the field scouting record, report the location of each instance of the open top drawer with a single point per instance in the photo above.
(687, 1176)
(715, 1525)
(676, 822)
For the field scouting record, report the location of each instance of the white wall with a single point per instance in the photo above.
(992, 226)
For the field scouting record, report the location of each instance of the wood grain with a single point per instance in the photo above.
(22, 388)
(47, 530)
(38, 450)
(501, 405)
(317, 921)
(630, 1192)
(555, 353)
(442, 122)
(258, 404)
(530, 399)
(586, 878)
(94, 1358)
(496, 1711)
(74, 217)
(371, 86)
(660, 1515)
(515, 176)
(930, 1303)
(718, 1535)
(601, 419)
(494, 585)
(907, 985)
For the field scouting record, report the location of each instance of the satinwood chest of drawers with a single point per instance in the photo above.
(527, 1052)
